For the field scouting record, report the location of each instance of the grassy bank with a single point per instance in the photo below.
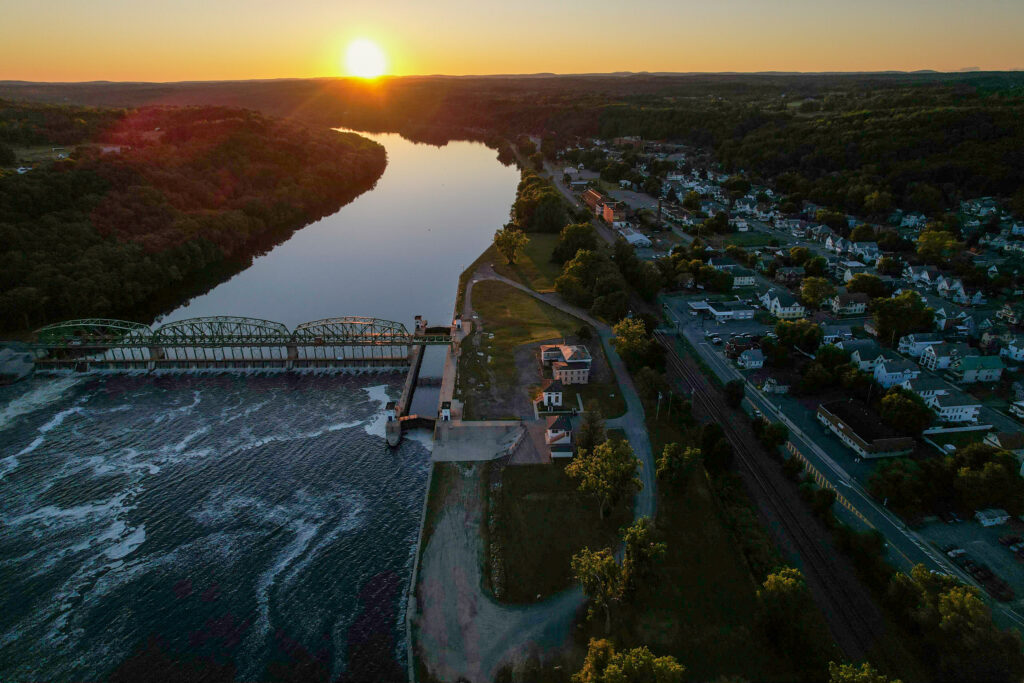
(541, 521)
(534, 267)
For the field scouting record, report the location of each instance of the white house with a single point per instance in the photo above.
(558, 436)
(782, 304)
(955, 406)
(833, 334)
(940, 356)
(926, 387)
(914, 344)
(551, 393)
(972, 369)
(751, 359)
(850, 304)
(1014, 350)
(742, 277)
(730, 310)
(890, 371)
(865, 353)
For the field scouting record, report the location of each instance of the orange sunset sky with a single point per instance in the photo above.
(233, 39)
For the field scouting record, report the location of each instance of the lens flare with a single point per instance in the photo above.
(364, 59)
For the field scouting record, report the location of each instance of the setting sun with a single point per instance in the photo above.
(364, 59)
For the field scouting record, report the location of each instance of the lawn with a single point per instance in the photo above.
(607, 395)
(541, 521)
(750, 239)
(958, 439)
(534, 267)
(515, 318)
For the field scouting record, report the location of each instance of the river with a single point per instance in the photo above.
(250, 527)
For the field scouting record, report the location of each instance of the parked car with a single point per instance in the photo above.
(716, 340)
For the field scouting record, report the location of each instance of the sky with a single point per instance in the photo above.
(175, 40)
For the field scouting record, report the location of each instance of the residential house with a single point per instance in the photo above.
(558, 436)
(868, 251)
(971, 369)
(913, 345)
(891, 371)
(924, 275)
(551, 391)
(790, 275)
(570, 364)
(926, 387)
(865, 353)
(850, 304)
(742, 277)
(833, 334)
(1014, 350)
(1011, 313)
(723, 263)
(955, 406)
(849, 269)
(913, 220)
(751, 359)
(940, 356)
(859, 427)
(1007, 441)
(782, 304)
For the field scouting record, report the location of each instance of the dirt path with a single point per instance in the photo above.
(462, 633)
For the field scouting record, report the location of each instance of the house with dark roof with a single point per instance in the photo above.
(866, 353)
(850, 304)
(558, 436)
(892, 371)
(955, 406)
(551, 391)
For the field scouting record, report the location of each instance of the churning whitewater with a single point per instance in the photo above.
(259, 523)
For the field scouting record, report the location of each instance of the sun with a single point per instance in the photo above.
(364, 59)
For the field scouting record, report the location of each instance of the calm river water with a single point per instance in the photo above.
(251, 527)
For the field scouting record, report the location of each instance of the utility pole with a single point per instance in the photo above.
(657, 413)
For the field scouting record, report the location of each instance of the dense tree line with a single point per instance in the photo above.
(193, 195)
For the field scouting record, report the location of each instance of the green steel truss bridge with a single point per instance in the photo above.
(228, 341)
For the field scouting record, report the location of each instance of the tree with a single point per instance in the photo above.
(640, 554)
(900, 316)
(887, 265)
(601, 579)
(7, 156)
(734, 391)
(691, 202)
(574, 237)
(802, 334)
(799, 255)
(510, 242)
(638, 665)
(867, 284)
(905, 411)
(862, 233)
(899, 482)
(814, 290)
(631, 341)
(591, 431)
(816, 267)
(608, 472)
(676, 463)
(937, 246)
(851, 673)
(785, 607)
(774, 435)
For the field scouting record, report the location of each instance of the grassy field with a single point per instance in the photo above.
(515, 318)
(534, 267)
(958, 439)
(542, 520)
(607, 395)
(749, 239)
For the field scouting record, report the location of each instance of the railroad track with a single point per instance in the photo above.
(855, 625)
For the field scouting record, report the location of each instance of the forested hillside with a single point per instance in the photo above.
(862, 142)
(165, 204)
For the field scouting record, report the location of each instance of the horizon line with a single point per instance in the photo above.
(541, 74)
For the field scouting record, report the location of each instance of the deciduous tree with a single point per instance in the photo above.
(608, 472)
(601, 579)
(510, 242)
(604, 664)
